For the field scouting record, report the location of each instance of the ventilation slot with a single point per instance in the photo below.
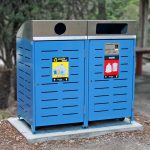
(21, 70)
(27, 65)
(119, 101)
(121, 79)
(21, 100)
(49, 83)
(28, 89)
(124, 48)
(49, 107)
(70, 114)
(70, 82)
(101, 95)
(21, 92)
(27, 73)
(70, 90)
(101, 80)
(122, 94)
(100, 110)
(101, 88)
(44, 76)
(45, 67)
(71, 106)
(74, 66)
(124, 64)
(20, 47)
(50, 116)
(49, 100)
(124, 71)
(27, 97)
(98, 65)
(74, 58)
(27, 57)
(124, 56)
(70, 98)
(27, 81)
(21, 107)
(98, 73)
(47, 51)
(119, 109)
(75, 74)
(20, 55)
(99, 49)
(21, 78)
(28, 105)
(27, 49)
(21, 85)
(49, 92)
(45, 59)
(98, 57)
(120, 87)
(21, 63)
(75, 50)
(101, 103)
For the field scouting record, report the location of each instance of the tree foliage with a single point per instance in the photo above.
(13, 13)
(122, 9)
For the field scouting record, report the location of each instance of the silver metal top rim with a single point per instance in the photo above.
(83, 37)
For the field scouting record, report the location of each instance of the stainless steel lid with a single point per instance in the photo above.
(53, 29)
(103, 29)
(76, 29)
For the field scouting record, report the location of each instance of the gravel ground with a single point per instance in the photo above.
(11, 139)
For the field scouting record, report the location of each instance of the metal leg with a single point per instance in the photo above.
(19, 117)
(85, 124)
(33, 128)
(131, 119)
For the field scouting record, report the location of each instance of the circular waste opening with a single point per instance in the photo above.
(60, 28)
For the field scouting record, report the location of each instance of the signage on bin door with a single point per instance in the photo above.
(111, 67)
(111, 61)
(60, 69)
(112, 48)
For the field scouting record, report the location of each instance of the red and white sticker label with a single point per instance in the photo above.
(111, 67)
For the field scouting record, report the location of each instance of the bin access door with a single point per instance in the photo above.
(111, 66)
(59, 82)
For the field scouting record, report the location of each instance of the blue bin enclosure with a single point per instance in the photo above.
(111, 98)
(50, 72)
(111, 67)
(75, 71)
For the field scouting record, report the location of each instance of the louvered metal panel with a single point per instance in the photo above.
(59, 102)
(24, 80)
(111, 97)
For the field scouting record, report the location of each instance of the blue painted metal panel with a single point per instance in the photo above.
(113, 97)
(59, 102)
(133, 79)
(25, 80)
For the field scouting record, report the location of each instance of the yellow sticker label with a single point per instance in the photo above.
(60, 69)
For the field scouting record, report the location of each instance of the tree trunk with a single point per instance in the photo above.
(9, 63)
(4, 88)
(102, 10)
(143, 23)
